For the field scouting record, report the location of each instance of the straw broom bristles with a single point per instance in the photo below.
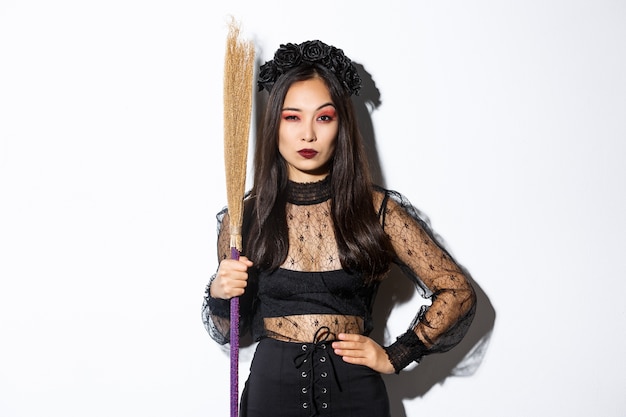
(238, 73)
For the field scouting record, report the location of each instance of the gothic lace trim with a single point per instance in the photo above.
(308, 193)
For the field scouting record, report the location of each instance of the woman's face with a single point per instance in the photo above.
(308, 130)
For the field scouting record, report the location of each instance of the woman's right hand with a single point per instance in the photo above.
(231, 279)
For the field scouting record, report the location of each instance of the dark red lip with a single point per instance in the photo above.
(307, 153)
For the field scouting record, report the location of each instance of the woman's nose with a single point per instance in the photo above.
(309, 133)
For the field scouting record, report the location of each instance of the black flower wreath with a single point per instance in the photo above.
(290, 55)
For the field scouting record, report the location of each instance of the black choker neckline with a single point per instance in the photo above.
(306, 193)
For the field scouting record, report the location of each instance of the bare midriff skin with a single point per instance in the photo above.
(302, 328)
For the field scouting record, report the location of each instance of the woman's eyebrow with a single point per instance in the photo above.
(319, 108)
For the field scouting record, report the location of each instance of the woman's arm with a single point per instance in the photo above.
(229, 281)
(443, 324)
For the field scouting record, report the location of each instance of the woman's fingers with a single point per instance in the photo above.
(231, 279)
(362, 350)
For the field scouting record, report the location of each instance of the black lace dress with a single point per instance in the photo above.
(296, 311)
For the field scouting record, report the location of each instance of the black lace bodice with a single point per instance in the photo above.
(311, 289)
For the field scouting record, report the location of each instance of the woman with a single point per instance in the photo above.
(318, 240)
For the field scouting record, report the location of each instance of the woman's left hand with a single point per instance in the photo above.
(362, 350)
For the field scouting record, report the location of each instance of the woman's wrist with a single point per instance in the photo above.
(406, 349)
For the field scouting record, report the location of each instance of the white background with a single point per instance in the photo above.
(503, 121)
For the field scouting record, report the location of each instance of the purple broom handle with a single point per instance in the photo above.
(234, 347)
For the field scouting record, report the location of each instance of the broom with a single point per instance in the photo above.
(238, 73)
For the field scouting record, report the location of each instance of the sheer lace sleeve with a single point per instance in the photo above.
(442, 325)
(216, 311)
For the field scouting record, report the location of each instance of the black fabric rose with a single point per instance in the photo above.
(268, 73)
(314, 51)
(339, 61)
(353, 80)
(287, 57)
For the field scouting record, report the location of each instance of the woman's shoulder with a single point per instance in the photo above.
(388, 199)
(392, 202)
(248, 203)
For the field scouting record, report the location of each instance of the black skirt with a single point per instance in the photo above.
(304, 380)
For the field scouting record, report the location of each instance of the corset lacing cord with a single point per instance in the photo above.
(320, 340)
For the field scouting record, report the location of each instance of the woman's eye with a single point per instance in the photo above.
(327, 115)
(290, 117)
